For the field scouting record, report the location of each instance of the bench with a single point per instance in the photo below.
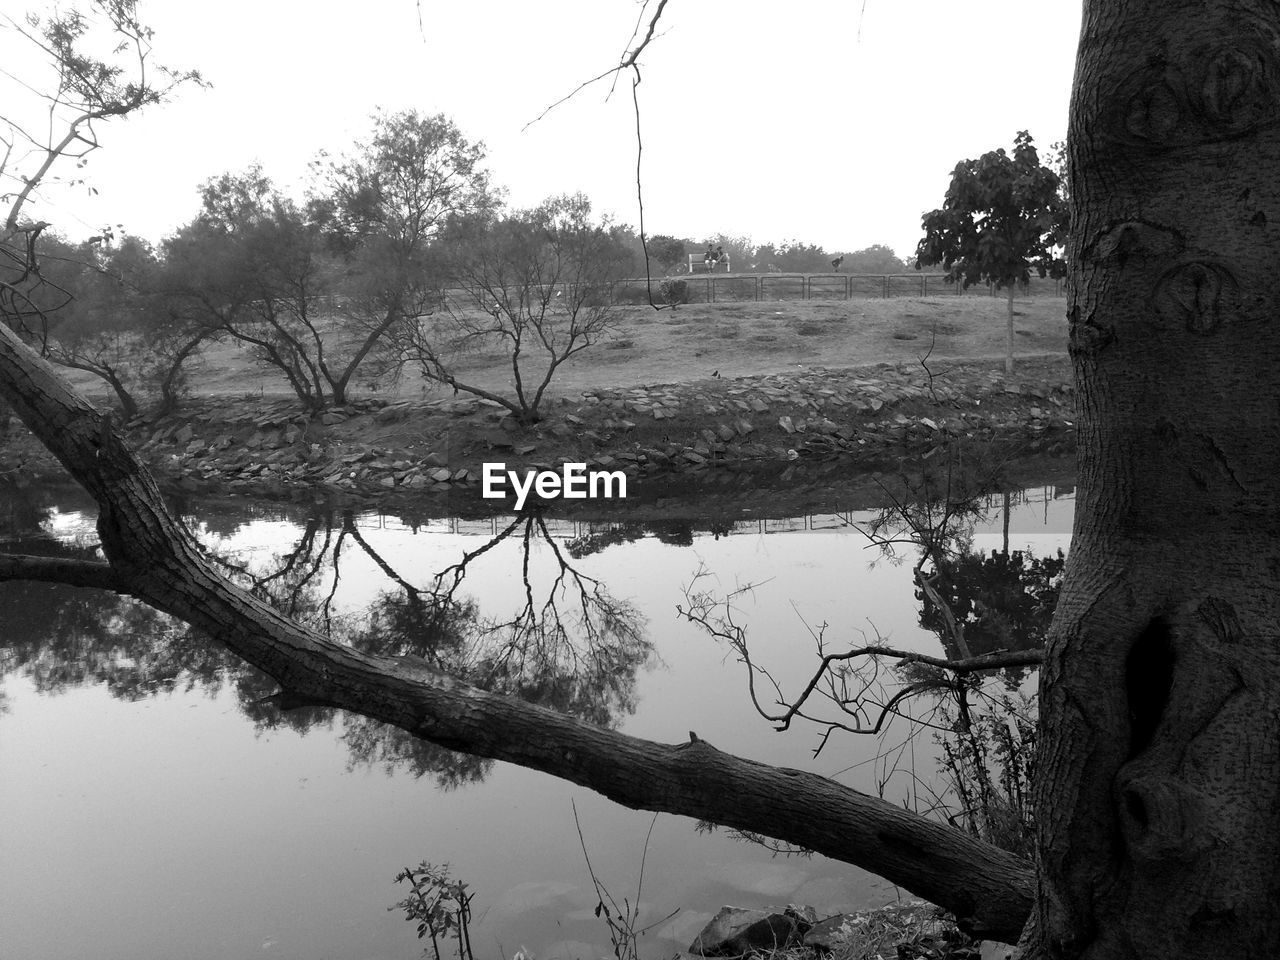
(698, 261)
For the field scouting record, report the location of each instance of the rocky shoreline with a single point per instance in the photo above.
(657, 435)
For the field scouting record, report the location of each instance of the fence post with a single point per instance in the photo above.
(884, 283)
(756, 278)
(848, 288)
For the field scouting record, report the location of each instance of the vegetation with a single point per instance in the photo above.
(1156, 832)
(441, 907)
(535, 282)
(1003, 217)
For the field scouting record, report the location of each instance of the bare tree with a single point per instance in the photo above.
(79, 93)
(535, 284)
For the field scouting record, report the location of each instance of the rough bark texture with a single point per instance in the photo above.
(1160, 748)
(153, 558)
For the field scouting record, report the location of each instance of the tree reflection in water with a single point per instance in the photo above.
(569, 644)
(991, 614)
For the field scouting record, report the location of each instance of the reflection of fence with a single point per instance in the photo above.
(713, 288)
(571, 529)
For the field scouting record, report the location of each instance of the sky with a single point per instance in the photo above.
(821, 121)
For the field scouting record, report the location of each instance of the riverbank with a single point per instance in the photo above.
(778, 429)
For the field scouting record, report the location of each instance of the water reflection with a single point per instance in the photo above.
(322, 846)
(569, 644)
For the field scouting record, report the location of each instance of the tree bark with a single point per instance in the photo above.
(1159, 776)
(154, 559)
(1008, 340)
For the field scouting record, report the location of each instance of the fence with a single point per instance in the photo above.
(741, 287)
(712, 288)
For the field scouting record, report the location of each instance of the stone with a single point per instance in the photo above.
(440, 475)
(846, 933)
(735, 932)
(786, 424)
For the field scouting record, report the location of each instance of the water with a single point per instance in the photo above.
(155, 808)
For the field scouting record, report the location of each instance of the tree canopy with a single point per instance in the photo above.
(1003, 217)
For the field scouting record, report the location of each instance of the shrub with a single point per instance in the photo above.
(673, 292)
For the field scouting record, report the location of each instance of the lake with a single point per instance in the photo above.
(157, 805)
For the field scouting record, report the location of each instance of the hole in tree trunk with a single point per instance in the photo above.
(1137, 809)
(1148, 680)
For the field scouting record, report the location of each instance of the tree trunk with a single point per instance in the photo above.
(1008, 342)
(154, 559)
(1159, 776)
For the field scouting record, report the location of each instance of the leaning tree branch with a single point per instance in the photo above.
(161, 564)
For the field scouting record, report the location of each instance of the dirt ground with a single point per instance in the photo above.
(733, 339)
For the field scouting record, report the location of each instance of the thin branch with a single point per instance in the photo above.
(629, 60)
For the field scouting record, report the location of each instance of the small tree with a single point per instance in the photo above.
(535, 282)
(1003, 216)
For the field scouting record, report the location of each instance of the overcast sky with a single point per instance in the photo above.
(816, 120)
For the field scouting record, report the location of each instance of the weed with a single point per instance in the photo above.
(441, 906)
(622, 920)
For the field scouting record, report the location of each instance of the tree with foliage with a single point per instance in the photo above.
(317, 290)
(791, 256)
(383, 210)
(534, 284)
(875, 259)
(1157, 781)
(669, 253)
(103, 311)
(252, 268)
(1003, 217)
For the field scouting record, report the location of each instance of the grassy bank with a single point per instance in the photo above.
(694, 341)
